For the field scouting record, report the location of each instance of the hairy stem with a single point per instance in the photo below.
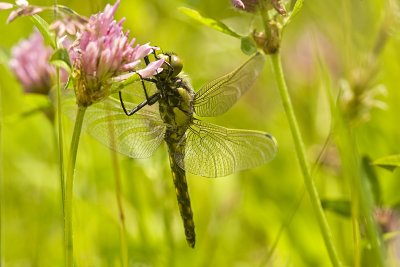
(118, 195)
(300, 152)
(69, 187)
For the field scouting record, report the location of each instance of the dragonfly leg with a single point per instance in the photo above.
(147, 60)
(144, 86)
(150, 101)
(170, 68)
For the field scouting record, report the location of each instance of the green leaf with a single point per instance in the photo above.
(118, 85)
(372, 179)
(248, 46)
(389, 162)
(340, 207)
(296, 9)
(44, 29)
(214, 24)
(60, 58)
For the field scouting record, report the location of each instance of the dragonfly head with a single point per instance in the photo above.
(172, 65)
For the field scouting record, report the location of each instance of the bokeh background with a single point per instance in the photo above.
(256, 217)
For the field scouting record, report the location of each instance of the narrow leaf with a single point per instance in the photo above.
(296, 9)
(123, 81)
(214, 24)
(340, 207)
(372, 179)
(44, 29)
(248, 46)
(389, 162)
(60, 58)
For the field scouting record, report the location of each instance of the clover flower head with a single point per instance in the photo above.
(30, 64)
(102, 53)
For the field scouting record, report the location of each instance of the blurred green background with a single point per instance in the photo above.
(238, 217)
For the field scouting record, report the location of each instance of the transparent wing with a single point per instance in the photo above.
(219, 95)
(134, 92)
(136, 136)
(212, 151)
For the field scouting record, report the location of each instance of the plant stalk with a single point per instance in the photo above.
(118, 195)
(1, 177)
(69, 256)
(300, 152)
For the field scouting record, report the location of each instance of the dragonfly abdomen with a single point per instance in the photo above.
(182, 195)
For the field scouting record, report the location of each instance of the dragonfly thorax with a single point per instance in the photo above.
(176, 104)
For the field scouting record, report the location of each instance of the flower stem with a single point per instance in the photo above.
(124, 246)
(69, 187)
(59, 124)
(362, 205)
(1, 176)
(60, 139)
(300, 151)
(60, 144)
(118, 195)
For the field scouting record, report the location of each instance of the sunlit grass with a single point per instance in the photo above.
(238, 217)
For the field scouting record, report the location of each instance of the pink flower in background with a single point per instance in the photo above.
(30, 63)
(103, 54)
(22, 9)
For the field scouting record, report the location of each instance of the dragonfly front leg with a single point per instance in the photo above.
(149, 101)
(166, 62)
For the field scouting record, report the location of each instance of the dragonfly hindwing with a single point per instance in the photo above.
(211, 151)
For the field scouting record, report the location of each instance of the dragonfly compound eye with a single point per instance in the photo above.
(172, 65)
(176, 64)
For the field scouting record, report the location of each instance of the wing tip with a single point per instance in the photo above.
(274, 144)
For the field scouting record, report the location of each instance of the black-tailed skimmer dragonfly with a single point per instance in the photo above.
(194, 146)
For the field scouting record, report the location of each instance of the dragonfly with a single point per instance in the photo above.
(194, 146)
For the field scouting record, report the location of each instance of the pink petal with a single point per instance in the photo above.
(130, 65)
(238, 4)
(13, 15)
(151, 69)
(22, 3)
(4, 5)
(141, 51)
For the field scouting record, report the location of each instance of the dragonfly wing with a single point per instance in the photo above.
(136, 136)
(221, 94)
(212, 151)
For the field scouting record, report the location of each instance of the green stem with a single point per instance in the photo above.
(60, 139)
(361, 203)
(292, 213)
(118, 194)
(300, 151)
(59, 124)
(69, 187)
(60, 144)
(1, 176)
(124, 247)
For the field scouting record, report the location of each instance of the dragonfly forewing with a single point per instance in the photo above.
(214, 151)
(219, 95)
